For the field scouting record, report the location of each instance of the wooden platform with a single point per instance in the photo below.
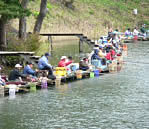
(8, 53)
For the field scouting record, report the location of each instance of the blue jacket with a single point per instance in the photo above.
(95, 56)
(43, 62)
(28, 71)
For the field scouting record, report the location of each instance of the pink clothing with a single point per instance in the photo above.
(113, 53)
(108, 56)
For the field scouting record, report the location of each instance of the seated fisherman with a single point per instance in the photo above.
(102, 55)
(16, 75)
(83, 64)
(95, 59)
(43, 64)
(29, 71)
(128, 32)
(63, 62)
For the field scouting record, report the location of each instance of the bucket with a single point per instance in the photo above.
(96, 72)
(32, 87)
(44, 83)
(135, 38)
(1, 91)
(79, 74)
(12, 90)
(58, 80)
(91, 74)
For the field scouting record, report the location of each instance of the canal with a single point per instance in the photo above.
(112, 101)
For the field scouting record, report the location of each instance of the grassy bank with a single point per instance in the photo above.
(90, 17)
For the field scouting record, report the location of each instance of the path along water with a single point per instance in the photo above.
(112, 101)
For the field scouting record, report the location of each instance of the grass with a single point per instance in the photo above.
(90, 17)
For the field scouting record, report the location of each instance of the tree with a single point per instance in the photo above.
(22, 22)
(42, 14)
(9, 9)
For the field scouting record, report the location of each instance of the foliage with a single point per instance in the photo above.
(10, 9)
(31, 44)
(35, 13)
(49, 5)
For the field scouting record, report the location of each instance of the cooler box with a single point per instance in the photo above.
(60, 71)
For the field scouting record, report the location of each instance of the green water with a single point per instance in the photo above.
(112, 101)
(68, 48)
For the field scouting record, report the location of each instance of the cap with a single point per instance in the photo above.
(47, 54)
(100, 47)
(30, 63)
(18, 66)
(63, 57)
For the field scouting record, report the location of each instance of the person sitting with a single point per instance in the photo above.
(95, 59)
(16, 75)
(102, 55)
(63, 62)
(135, 32)
(29, 71)
(43, 64)
(127, 32)
(83, 64)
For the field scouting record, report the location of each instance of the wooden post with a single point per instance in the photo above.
(51, 46)
(2, 91)
(80, 46)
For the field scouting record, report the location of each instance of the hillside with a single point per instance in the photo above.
(91, 17)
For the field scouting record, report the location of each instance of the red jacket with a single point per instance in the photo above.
(113, 53)
(108, 56)
(62, 63)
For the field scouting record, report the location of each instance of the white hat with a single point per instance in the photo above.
(95, 48)
(63, 57)
(18, 66)
(0, 68)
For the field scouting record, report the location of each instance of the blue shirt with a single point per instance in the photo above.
(28, 71)
(43, 62)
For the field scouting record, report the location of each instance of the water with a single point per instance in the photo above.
(68, 48)
(112, 101)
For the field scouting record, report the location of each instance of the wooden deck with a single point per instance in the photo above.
(8, 53)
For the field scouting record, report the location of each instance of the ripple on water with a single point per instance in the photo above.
(112, 101)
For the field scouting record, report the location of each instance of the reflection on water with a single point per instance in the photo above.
(68, 48)
(112, 101)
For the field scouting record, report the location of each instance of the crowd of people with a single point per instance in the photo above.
(18, 74)
(135, 33)
(104, 52)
